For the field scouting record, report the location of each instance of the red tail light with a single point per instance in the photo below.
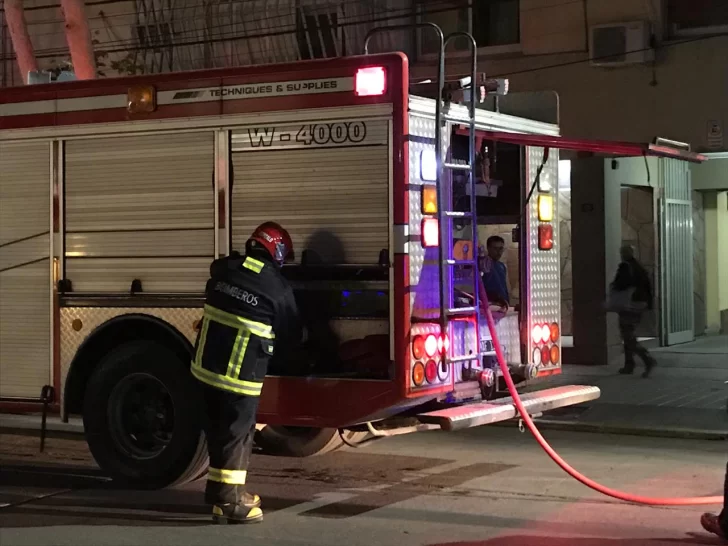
(431, 345)
(371, 81)
(418, 347)
(430, 232)
(545, 237)
(431, 371)
(545, 355)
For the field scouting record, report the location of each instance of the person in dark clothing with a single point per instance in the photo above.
(494, 272)
(631, 278)
(718, 524)
(250, 315)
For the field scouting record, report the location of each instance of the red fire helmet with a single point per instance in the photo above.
(274, 239)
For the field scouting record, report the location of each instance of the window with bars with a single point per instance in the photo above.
(155, 35)
(318, 33)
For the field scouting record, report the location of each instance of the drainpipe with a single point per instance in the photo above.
(78, 37)
(20, 38)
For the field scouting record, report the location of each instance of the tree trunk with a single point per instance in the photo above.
(20, 38)
(78, 37)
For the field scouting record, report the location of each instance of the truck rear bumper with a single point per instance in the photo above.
(502, 409)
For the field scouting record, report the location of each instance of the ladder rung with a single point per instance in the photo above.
(466, 358)
(462, 311)
(448, 117)
(460, 262)
(457, 166)
(457, 214)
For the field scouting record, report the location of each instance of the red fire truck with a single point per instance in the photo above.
(115, 196)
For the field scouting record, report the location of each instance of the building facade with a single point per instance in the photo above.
(619, 70)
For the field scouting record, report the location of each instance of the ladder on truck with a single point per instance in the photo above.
(457, 415)
(446, 213)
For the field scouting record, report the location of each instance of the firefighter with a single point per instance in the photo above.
(250, 315)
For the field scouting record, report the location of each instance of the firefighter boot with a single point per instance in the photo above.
(250, 500)
(236, 514)
(711, 523)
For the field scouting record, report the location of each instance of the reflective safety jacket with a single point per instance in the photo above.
(250, 314)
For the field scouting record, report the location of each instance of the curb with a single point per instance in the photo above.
(656, 432)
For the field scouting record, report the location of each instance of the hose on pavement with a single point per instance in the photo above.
(651, 501)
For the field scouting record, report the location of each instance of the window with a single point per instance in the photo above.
(154, 35)
(491, 22)
(318, 33)
(496, 22)
(697, 17)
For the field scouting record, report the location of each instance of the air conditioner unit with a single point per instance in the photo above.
(619, 44)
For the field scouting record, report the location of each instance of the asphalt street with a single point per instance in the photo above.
(491, 486)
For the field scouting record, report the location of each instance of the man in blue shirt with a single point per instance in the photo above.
(495, 274)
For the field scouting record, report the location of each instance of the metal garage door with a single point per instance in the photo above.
(676, 253)
(140, 207)
(330, 190)
(25, 269)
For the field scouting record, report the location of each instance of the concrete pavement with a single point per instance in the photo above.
(480, 487)
(686, 395)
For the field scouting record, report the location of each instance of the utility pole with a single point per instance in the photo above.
(20, 38)
(78, 37)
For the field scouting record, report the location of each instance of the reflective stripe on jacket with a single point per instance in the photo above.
(246, 301)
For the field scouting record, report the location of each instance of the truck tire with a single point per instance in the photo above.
(142, 417)
(303, 441)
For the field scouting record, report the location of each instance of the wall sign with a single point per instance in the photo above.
(715, 134)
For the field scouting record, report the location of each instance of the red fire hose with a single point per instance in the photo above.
(652, 501)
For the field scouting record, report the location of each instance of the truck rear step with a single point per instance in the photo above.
(502, 409)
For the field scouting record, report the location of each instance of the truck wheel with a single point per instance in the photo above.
(303, 441)
(142, 417)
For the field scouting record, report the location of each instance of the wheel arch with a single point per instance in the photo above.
(112, 333)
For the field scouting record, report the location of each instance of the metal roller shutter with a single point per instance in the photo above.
(140, 207)
(25, 305)
(334, 201)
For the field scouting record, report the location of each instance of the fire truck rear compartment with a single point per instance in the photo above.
(345, 310)
(333, 197)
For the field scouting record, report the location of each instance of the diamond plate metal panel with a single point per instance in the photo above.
(424, 275)
(544, 271)
(464, 342)
(182, 319)
(507, 330)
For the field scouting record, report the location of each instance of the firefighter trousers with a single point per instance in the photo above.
(230, 428)
(628, 322)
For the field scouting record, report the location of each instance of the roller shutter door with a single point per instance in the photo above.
(25, 283)
(334, 200)
(140, 207)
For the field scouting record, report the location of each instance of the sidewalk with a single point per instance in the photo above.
(686, 395)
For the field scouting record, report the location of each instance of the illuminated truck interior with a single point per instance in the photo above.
(341, 301)
(504, 192)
